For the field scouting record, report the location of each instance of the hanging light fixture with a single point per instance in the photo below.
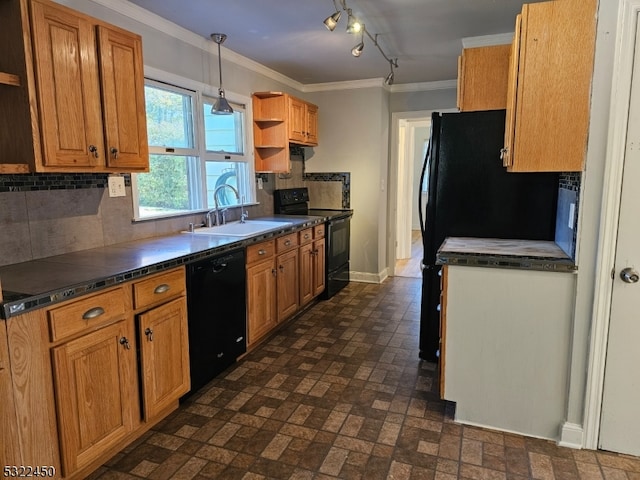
(357, 50)
(332, 20)
(221, 107)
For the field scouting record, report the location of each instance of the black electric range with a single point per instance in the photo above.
(295, 201)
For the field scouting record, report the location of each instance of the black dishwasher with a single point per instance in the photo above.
(216, 296)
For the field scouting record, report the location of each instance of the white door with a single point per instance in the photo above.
(620, 419)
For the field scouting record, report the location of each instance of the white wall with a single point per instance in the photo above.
(420, 136)
(354, 131)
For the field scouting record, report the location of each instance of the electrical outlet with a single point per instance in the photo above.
(116, 186)
(260, 186)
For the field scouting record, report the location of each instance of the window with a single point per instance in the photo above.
(191, 153)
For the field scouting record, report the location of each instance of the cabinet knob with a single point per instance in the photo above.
(114, 152)
(262, 252)
(93, 149)
(149, 333)
(274, 272)
(124, 341)
(287, 243)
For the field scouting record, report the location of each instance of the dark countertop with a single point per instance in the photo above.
(502, 253)
(38, 283)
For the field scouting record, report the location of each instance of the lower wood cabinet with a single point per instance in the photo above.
(283, 275)
(96, 393)
(312, 264)
(71, 389)
(261, 291)
(164, 356)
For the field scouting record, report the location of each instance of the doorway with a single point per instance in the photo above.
(413, 136)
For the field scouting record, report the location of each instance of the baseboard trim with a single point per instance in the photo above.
(365, 277)
(571, 435)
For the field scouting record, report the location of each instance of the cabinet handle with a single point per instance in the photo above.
(281, 268)
(274, 272)
(307, 236)
(149, 333)
(124, 341)
(239, 339)
(262, 252)
(92, 313)
(316, 251)
(287, 243)
(162, 288)
(114, 152)
(220, 355)
(93, 149)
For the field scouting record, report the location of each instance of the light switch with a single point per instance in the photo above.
(116, 186)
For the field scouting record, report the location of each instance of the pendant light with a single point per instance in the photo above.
(332, 20)
(221, 107)
(357, 50)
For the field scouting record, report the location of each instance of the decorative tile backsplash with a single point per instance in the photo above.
(31, 182)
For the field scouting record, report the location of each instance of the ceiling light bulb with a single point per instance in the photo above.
(332, 20)
(353, 25)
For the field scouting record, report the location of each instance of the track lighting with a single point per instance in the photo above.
(357, 50)
(332, 20)
(221, 107)
(354, 26)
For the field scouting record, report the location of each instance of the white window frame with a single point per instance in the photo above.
(168, 80)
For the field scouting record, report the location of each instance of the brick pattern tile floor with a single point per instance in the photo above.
(339, 392)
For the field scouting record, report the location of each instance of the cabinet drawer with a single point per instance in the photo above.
(306, 235)
(260, 251)
(86, 313)
(286, 242)
(318, 231)
(158, 288)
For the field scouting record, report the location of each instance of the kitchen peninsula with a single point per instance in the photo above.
(506, 329)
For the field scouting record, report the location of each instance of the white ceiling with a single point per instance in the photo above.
(288, 36)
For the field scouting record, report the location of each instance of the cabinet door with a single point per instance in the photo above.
(64, 48)
(261, 299)
(96, 395)
(164, 355)
(312, 125)
(512, 86)
(319, 266)
(297, 121)
(122, 76)
(287, 284)
(306, 273)
(9, 446)
(482, 78)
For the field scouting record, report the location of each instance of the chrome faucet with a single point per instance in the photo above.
(216, 209)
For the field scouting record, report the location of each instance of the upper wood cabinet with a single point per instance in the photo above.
(303, 122)
(280, 119)
(482, 78)
(80, 103)
(549, 87)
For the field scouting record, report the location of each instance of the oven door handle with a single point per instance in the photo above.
(336, 221)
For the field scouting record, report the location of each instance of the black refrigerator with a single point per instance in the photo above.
(470, 194)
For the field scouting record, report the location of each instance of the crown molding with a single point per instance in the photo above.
(350, 85)
(487, 40)
(152, 20)
(425, 86)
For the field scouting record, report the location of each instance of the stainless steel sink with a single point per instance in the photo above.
(246, 229)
